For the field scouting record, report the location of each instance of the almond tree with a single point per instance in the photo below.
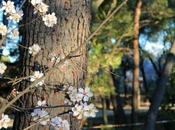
(70, 33)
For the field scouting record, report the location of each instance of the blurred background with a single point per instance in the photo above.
(111, 63)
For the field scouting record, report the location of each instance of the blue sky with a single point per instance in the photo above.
(10, 49)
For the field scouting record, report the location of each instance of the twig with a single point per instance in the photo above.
(107, 19)
(44, 107)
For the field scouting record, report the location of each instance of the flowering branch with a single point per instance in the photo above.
(46, 118)
(42, 107)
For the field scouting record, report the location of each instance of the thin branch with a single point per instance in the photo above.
(107, 19)
(42, 107)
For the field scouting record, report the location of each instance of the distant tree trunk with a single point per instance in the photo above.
(144, 76)
(117, 102)
(104, 111)
(160, 90)
(158, 72)
(69, 34)
(136, 89)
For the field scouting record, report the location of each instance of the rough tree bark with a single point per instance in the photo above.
(136, 89)
(160, 90)
(69, 34)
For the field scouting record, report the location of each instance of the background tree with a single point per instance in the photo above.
(136, 87)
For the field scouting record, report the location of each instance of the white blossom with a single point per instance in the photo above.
(41, 103)
(85, 93)
(4, 121)
(70, 89)
(58, 122)
(15, 32)
(65, 125)
(78, 111)
(3, 67)
(35, 2)
(73, 95)
(83, 110)
(9, 7)
(90, 110)
(50, 20)
(37, 75)
(34, 49)
(42, 8)
(3, 29)
(80, 95)
(17, 16)
(40, 115)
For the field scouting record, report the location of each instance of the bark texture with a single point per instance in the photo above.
(136, 89)
(69, 34)
(160, 90)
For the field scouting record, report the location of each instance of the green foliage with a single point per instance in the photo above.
(100, 59)
(101, 84)
(169, 100)
(104, 53)
(4, 59)
(155, 17)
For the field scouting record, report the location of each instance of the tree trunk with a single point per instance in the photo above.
(136, 90)
(144, 77)
(104, 111)
(69, 34)
(160, 90)
(119, 113)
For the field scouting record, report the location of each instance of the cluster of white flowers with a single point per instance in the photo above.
(3, 29)
(80, 97)
(80, 94)
(49, 19)
(37, 75)
(5, 121)
(83, 110)
(17, 16)
(3, 67)
(34, 49)
(8, 7)
(12, 14)
(42, 116)
(60, 123)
